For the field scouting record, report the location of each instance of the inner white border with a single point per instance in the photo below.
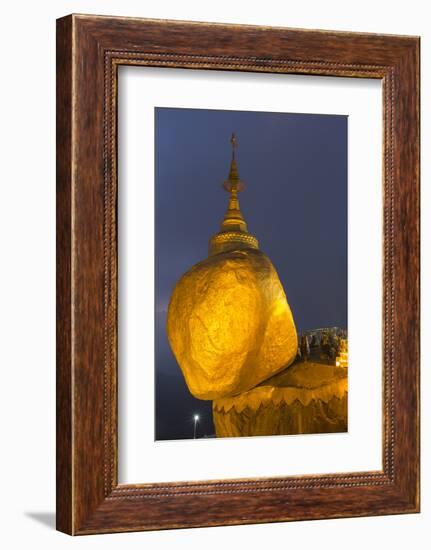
(143, 460)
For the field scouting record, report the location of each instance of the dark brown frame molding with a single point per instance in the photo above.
(89, 51)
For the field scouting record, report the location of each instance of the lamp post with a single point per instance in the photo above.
(196, 419)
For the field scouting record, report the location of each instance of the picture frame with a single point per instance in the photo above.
(89, 51)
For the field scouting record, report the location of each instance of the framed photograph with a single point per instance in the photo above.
(237, 274)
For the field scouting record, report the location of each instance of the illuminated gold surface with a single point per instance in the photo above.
(229, 324)
(304, 398)
(232, 240)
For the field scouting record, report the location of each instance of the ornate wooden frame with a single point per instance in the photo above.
(89, 51)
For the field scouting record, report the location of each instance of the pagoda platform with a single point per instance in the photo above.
(305, 398)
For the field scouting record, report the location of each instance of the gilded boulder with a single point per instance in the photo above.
(229, 324)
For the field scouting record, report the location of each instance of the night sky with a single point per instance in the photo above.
(295, 203)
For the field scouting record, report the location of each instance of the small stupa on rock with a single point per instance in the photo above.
(229, 324)
(233, 234)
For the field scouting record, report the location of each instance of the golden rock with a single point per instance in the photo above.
(229, 324)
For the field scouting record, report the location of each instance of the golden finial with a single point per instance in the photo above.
(233, 184)
(234, 143)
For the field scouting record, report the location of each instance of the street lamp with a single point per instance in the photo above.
(196, 419)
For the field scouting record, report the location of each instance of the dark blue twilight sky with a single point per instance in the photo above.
(295, 203)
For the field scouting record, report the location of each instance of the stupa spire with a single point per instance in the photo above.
(233, 172)
(233, 219)
(233, 231)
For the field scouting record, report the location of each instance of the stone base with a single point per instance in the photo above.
(305, 398)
